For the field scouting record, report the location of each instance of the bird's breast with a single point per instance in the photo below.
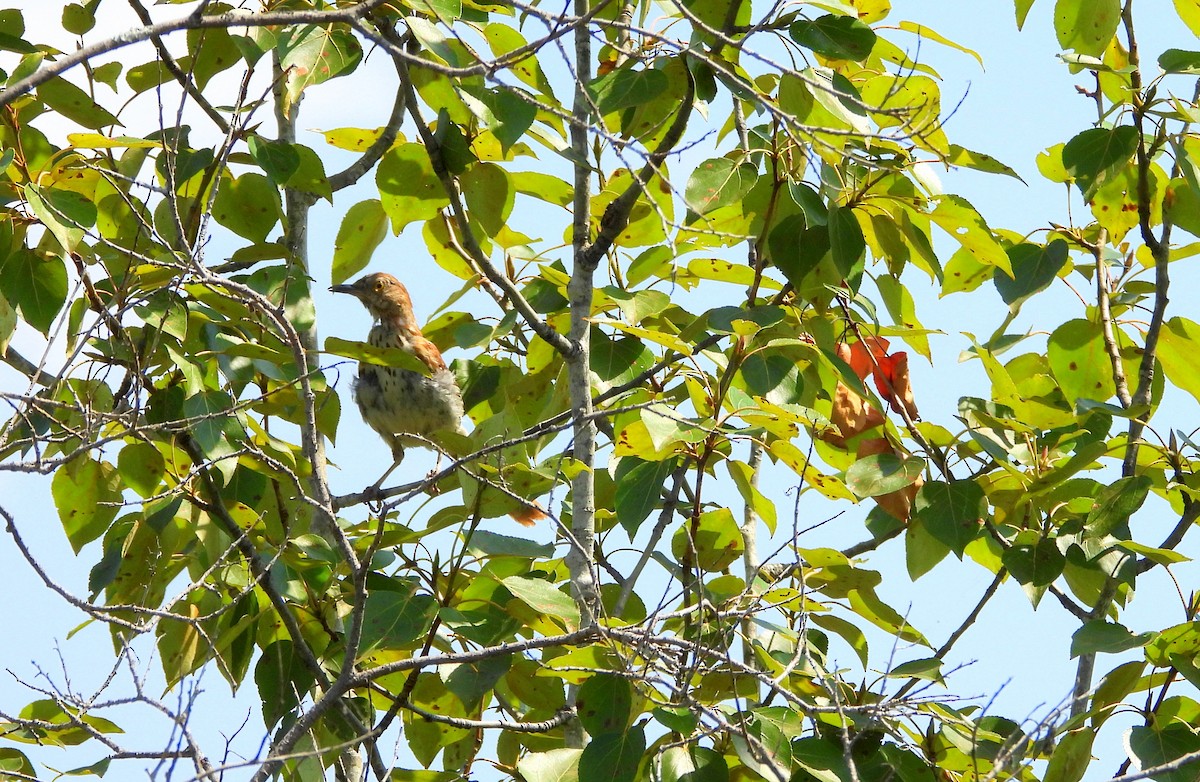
(393, 400)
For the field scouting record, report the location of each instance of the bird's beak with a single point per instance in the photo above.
(343, 288)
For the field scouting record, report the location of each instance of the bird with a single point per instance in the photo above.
(405, 407)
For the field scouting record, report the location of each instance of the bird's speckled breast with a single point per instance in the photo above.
(394, 401)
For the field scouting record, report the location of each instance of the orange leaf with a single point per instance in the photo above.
(865, 354)
(891, 379)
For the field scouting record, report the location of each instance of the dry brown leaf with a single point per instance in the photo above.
(851, 415)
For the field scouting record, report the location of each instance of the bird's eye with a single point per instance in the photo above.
(379, 285)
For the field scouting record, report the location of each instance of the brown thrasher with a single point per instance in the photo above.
(396, 402)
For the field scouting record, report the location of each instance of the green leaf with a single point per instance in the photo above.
(1189, 12)
(512, 115)
(384, 357)
(1111, 511)
(67, 732)
(1181, 640)
(951, 512)
(408, 188)
(1113, 689)
(835, 36)
(1036, 564)
(774, 377)
(77, 19)
(849, 632)
(311, 54)
(1078, 359)
(278, 160)
(555, 765)
(903, 309)
(543, 187)
(489, 195)
(979, 161)
(867, 604)
(1071, 757)
(473, 680)
(1086, 26)
(715, 539)
(248, 205)
(922, 551)
(212, 51)
(503, 40)
(883, 473)
(141, 467)
(625, 88)
(928, 668)
(604, 704)
(396, 617)
(616, 361)
(639, 486)
(87, 495)
(743, 478)
(1107, 637)
(544, 598)
(443, 10)
(211, 422)
(1034, 268)
(427, 738)
(8, 321)
(717, 13)
(846, 243)
(14, 762)
(76, 105)
(924, 32)
(1162, 556)
(65, 213)
(796, 250)
(718, 183)
(613, 757)
(693, 763)
(1178, 346)
(496, 545)
(363, 228)
(310, 174)
(957, 217)
(1162, 744)
(282, 679)
(1022, 10)
(1094, 155)
(1179, 61)
(35, 285)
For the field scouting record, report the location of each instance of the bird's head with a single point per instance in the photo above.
(382, 294)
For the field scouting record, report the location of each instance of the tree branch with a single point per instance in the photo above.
(189, 22)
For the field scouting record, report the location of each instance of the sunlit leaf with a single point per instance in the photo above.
(718, 182)
(1086, 26)
(311, 54)
(363, 228)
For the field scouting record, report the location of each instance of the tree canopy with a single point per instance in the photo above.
(692, 243)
